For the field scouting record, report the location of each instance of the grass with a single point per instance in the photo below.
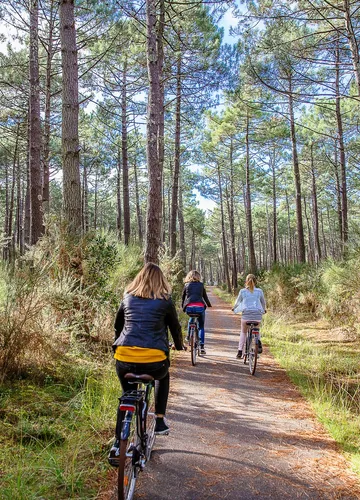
(325, 369)
(54, 436)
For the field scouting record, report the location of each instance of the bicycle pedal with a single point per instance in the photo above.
(114, 462)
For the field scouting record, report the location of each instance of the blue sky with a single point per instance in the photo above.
(228, 21)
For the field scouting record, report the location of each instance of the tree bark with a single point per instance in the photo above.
(274, 236)
(138, 207)
(251, 248)
(36, 226)
(181, 227)
(353, 43)
(223, 231)
(155, 130)
(232, 218)
(124, 151)
(118, 197)
(296, 170)
(315, 208)
(175, 184)
(46, 160)
(344, 208)
(70, 118)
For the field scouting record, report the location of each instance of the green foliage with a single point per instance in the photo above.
(61, 428)
(331, 290)
(327, 374)
(297, 286)
(60, 300)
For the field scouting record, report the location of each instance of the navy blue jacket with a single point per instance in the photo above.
(194, 291)
(144, 322)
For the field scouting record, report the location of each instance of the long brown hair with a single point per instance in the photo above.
(192, 276)
(150, 283)
(250, 282)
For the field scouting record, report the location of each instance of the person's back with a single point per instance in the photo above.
(141, 341)
(251, 304)
(194, 293)
(252, 300)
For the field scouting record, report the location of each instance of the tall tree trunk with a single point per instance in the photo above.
(251, 248)
(18, 217)
(46, 159)
(353, 43)
(273, 169)
(175, 184)
(6, 215)
(96, 212)
(138, 207)
(192, 255)
(338, 190)
(297, 181)
(269, 250)
(155, 130)
(345, 229)
(310, 245)
(315, 208)
(10, 243)
(124, 150)
(232, 218)
(85, 196)
(181, 227)
(70, 118)
(223, 230)
(35, 128)
(118, 196)
(325, 252)
(289, 228)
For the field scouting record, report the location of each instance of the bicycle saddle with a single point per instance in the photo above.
(138, 378)
(255, 323)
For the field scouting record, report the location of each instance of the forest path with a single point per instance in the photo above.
(237, 436)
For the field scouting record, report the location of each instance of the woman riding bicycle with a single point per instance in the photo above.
(251, 303)
(141, 338)
(194, 293)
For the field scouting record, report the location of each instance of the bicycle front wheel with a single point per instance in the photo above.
(193, 348)
(127, 473)
(253, 354)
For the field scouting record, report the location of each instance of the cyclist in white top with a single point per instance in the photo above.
(251, 304)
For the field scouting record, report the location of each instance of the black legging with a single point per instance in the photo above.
(160, 372)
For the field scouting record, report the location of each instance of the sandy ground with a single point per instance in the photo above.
(237, 436)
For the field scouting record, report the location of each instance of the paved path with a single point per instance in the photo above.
(234, 436)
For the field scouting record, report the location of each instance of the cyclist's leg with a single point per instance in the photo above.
(201, 320)
(242, 338)
(188, 331)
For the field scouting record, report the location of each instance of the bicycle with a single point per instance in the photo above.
(194, 341)
(252, 345)
(193, 331)
(135, 429)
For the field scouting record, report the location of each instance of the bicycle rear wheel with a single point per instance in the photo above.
(253, 354)
(246, 353)
(193, 348)
(150, 425)
(127, 472)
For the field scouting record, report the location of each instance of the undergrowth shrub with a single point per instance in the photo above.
(60, 298)
(297, 286)
(331, 290)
